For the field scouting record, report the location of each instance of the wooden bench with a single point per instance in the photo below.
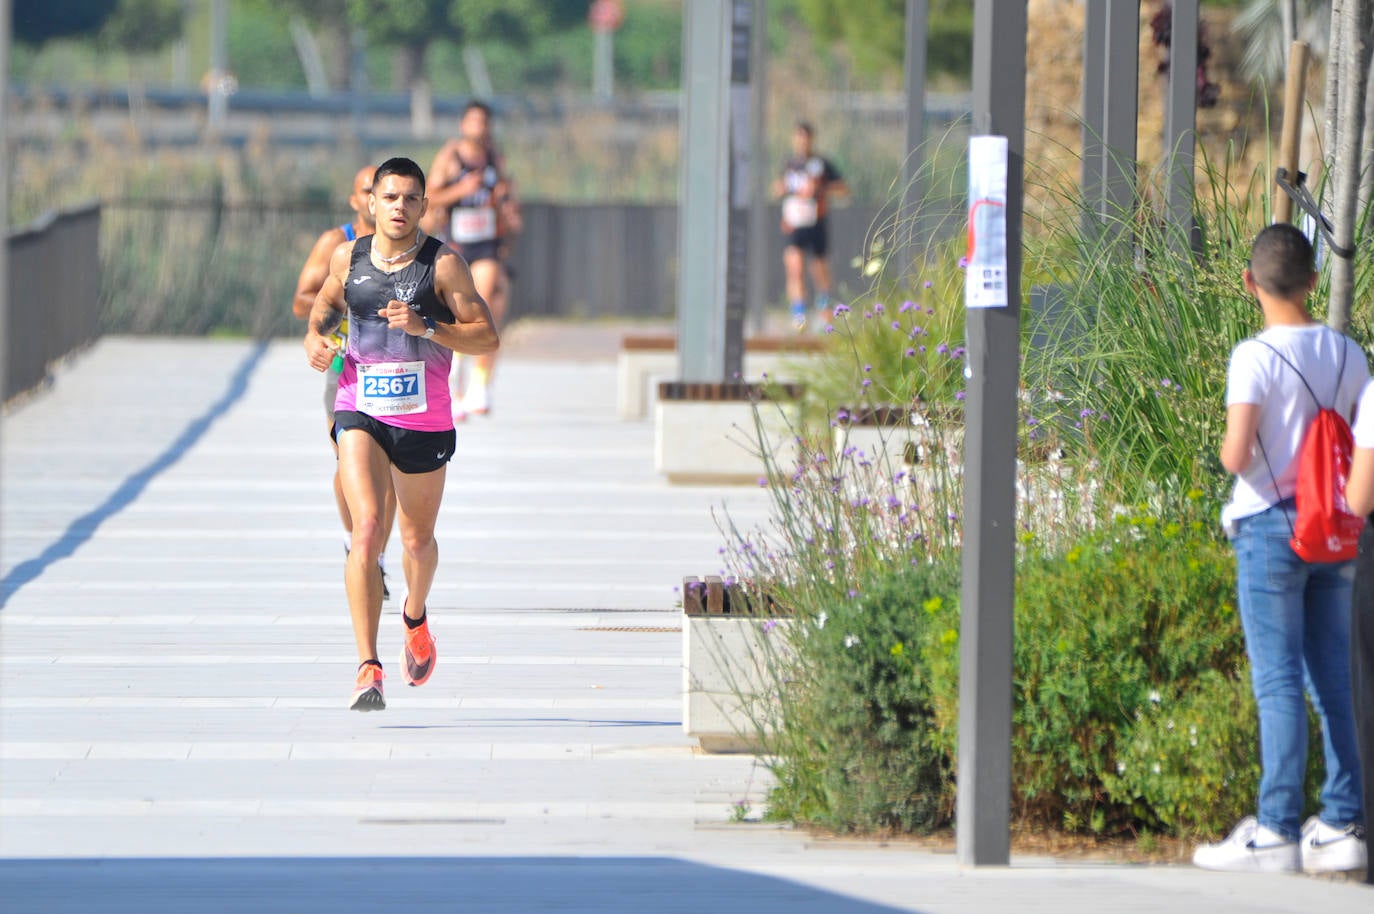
(646, 359)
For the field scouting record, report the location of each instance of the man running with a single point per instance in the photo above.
(307, 287)
(410, 303)
(806, 184)
(474, 208)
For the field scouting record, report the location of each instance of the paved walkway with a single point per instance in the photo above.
(175, 659)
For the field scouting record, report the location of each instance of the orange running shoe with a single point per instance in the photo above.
(419, 655)
(367, 691)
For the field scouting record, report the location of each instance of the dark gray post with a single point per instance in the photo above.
(1122, 82)
(1094, 112)
(703, 126)
(1180, 128)
(910, 229)
(4, 195)
(760, 233)
(743, 174)
(983, 824)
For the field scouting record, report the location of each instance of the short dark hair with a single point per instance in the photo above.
(400, 165)
(807, 128)
(1281, 260)
(476, 105)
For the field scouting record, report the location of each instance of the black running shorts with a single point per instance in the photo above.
(812, 239)
(479, 250)
(409, 451)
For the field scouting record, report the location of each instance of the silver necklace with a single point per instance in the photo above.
(419, 236)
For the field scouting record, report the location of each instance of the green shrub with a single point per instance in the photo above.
(858, 749)
(1140, 609)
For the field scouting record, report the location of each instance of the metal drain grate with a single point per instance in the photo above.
(641, 629)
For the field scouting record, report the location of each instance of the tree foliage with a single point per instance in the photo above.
(872, 33)
(141, 26)
(37, 21)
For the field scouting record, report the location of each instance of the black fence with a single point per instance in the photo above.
(620, 260)
(54, 295)
(199, 267)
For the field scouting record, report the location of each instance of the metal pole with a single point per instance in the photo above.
(1120, 115)
(1180, 127)
(742, 177)
(218, 94)
(603, 65)
(703, 185)
(1094, 114)
(5, 199)
(759, 223)
(909, 227)
(983, 823)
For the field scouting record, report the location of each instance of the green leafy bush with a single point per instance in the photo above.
(1140, 609)
(859, 749)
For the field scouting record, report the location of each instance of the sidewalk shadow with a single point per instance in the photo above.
(84, 527)
(472, 885)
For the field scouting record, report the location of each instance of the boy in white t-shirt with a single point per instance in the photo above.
(1296, 615)
(1359, 496)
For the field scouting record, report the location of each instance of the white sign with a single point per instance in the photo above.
(985, 282)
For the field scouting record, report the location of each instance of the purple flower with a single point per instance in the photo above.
(907, 305)
(1085, 413)
(868, 382)
(896, 325)
(841, 309)
(878, 308)
(960, 395)
(942, 349)
(963, 263)
(927, 284)
(1032, 422)
(1166, 383)
(868, 368)
(768, 625)
(921, 348)
(868, 315)
(853, 594)
(829, 328)
(910, 352)
(842, 414)
(958, 352)
(763, 483)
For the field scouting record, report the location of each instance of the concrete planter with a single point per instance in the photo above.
(717, 433)
(895, 440)
(647, 360)
(729, 662)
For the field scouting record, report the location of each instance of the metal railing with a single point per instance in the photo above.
(54, 294)
(198, 267)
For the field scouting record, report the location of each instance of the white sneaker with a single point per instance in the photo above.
(1250, 848)
(1326, 849)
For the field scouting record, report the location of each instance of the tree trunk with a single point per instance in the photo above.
(1351, 27)
(338, 50)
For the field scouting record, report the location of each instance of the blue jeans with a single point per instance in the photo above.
(1296, 617)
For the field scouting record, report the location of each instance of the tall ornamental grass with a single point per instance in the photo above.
(1132, 708)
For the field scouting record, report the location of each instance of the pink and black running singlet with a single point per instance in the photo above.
(398, 379)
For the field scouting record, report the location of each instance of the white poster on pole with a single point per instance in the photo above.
(985, 282)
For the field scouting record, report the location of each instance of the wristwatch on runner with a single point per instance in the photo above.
(430, 326)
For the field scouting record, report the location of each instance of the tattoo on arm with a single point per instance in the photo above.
(330, 322)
